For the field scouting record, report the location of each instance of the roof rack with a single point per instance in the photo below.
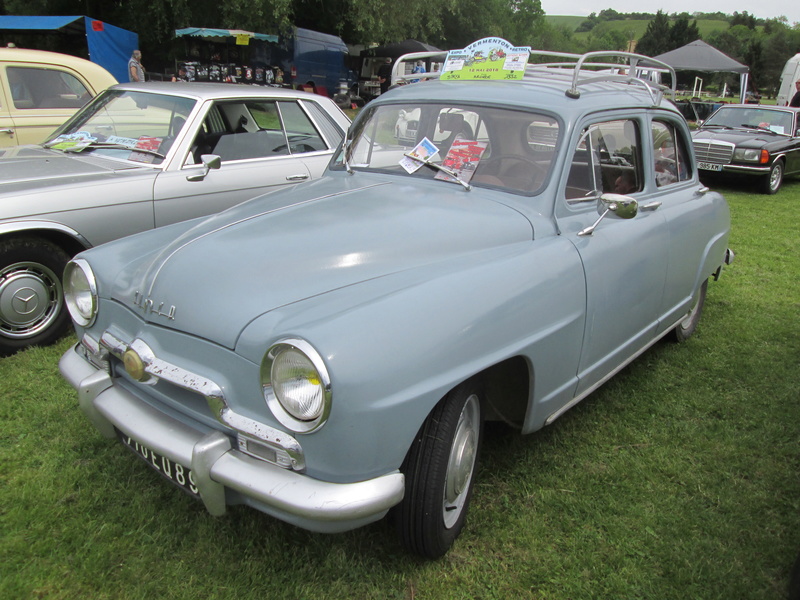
(620, 67)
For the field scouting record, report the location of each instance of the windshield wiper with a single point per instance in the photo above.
(439, 167)
(104, 145)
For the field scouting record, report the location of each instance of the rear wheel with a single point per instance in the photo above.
(440, 471)
(687, 326)
(31, 295)
(772, 182)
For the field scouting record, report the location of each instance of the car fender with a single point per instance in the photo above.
(394, 346)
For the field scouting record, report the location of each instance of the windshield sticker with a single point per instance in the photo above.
(149, 145)
(79, 139)
(421, 153)
(462, 159)
(489, 58)
(121, 141)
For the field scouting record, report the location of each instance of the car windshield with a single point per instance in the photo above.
(133, 126)
(777, 121)
(511, 150)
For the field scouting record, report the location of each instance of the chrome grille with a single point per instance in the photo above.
(713, 152)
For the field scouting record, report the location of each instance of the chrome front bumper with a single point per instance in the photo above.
(293, 497)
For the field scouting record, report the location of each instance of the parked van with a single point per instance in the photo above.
(318, 61)
(791, 73)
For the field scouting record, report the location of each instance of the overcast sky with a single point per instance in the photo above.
(764, 9)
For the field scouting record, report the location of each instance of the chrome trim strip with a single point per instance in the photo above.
(159, 369)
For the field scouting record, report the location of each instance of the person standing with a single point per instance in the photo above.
(135, 67)
(385, 75)
(418, 68)
(796, 98)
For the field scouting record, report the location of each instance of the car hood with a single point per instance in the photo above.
(291, 245)
(751, 138)
(28, 168)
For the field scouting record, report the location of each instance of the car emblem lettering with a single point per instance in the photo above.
(148, 305)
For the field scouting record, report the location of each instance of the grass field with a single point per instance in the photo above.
(633, 29)
(679, 479)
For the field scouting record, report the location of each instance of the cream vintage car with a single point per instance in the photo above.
(40, 90)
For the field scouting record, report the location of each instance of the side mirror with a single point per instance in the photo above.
(623, 206)
(210, 161)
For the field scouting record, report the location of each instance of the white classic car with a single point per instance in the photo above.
(141, 156)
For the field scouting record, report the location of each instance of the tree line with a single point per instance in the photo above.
(764, 45)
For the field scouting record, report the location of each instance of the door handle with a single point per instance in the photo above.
(651, 206)
(9, 131)
(298, 177)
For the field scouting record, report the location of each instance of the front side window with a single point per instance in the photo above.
(512, 150)
(608, 158)
(134, 126)
(670, 157)
(45, 88)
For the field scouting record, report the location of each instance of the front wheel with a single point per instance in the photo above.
(772, 182)
(440, 471)
(686, 327)
(31, 295)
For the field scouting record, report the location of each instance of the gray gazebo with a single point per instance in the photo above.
(699, 56)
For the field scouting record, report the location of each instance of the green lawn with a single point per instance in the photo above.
(679, 479)
(632, 28)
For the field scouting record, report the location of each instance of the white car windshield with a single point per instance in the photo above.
(133, 126)
(472, 145)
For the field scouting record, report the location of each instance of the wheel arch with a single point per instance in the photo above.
(62, 236)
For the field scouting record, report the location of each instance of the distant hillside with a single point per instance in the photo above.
(633, 29)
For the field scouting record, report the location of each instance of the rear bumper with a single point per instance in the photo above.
(293, 497)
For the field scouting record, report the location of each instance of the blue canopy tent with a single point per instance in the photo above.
(224, 34)
(110, 47)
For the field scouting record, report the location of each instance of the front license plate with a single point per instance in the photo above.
(709, 166)
(172, 471)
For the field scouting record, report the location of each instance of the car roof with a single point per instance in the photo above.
(211, 91)
(543, 91)
(44, 57)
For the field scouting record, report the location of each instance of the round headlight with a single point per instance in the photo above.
(80, 292)
(296, 385)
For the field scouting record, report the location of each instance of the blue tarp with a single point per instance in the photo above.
(110, 47)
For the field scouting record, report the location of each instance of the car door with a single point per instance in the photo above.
(7, 131)
(40, 98)
(680, 198)
(624, 260)
(263, 143)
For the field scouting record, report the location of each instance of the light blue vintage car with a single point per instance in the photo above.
(330, 352)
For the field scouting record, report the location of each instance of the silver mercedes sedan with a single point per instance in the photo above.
(137, 157)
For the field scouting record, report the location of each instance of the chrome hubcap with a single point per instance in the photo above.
(30, 297)
(461, 464)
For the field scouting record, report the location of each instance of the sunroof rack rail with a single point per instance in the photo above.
(620, 67)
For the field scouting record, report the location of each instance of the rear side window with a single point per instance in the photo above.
(669, 155)
(330, 130)
(33, 87)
